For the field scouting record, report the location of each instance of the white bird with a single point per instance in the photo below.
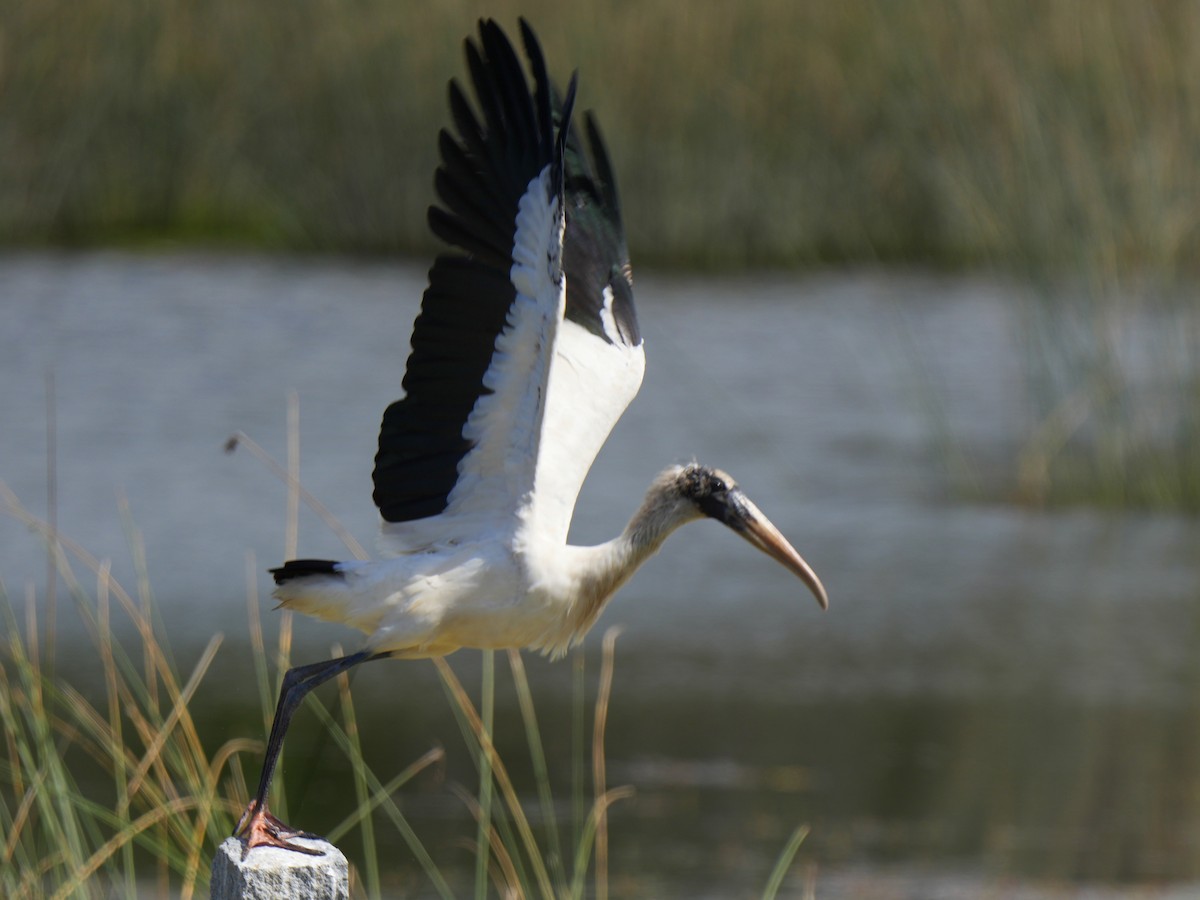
(524, 355)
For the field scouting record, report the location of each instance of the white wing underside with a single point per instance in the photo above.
(591, 384)
(556, 392)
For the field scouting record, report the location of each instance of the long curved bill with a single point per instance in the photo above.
(756, 528)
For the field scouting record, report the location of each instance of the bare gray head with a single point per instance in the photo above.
(714, 494)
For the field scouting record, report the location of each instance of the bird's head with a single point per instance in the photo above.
(717, 496)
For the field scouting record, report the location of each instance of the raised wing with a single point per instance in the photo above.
(485, 396)
(599, 358)
(474, 384)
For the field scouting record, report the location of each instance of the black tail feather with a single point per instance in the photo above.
(302, 568)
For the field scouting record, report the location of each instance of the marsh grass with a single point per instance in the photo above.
(1110, 401)
(1076, 186)
(775, 133)
(167, 799)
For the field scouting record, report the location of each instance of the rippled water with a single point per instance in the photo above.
(994, 692)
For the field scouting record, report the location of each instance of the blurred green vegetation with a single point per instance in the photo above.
(770, 133)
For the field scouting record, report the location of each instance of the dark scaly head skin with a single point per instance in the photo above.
(714, 492)
(717, 496)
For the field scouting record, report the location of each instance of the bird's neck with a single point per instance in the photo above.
(605, 567)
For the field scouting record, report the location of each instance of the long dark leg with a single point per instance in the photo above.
(258, 824)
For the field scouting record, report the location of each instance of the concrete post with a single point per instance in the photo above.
(268, 873)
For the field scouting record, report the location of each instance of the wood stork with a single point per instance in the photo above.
(524, 355)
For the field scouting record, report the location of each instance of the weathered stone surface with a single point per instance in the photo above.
(268, 873)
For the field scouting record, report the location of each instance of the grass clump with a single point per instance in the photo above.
(1113, 398)
(166, 800)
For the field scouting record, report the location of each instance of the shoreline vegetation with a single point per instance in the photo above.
(1017, 136)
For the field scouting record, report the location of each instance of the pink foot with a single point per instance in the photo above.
(261, 829)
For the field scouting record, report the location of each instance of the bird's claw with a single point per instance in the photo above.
(258, 828)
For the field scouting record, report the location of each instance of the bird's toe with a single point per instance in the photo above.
(258, 828)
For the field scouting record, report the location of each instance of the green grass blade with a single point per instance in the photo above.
(541, 771)
(487, 717)
(784, 862)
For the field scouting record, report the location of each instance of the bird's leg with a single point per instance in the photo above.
(257, 825)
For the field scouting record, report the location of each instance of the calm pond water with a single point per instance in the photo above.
(997, 700)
